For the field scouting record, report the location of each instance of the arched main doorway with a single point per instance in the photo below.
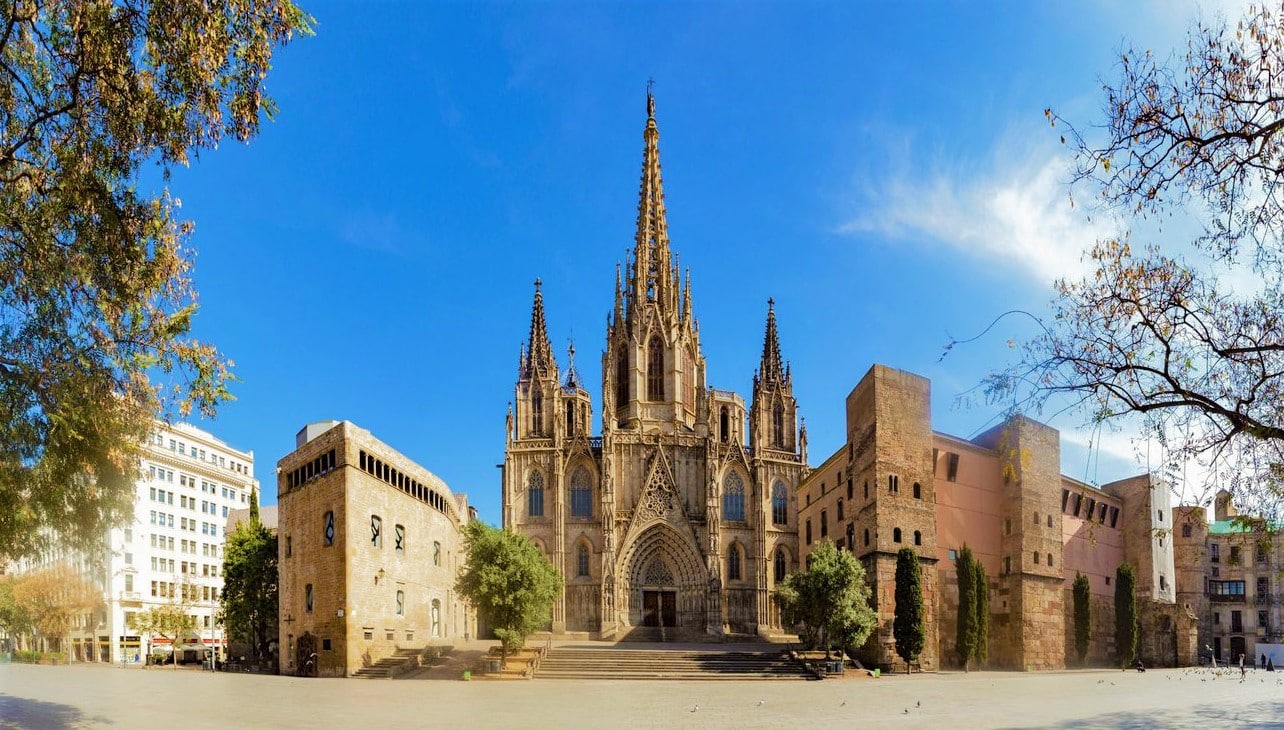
(666, 584)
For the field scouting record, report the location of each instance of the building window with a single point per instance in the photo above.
(733, 499)
(780, 565)
(655, 370)
(1078, 504)
(867, 490)
(581, 493)
(1186, 530)
(896, 534)
(1263, 587)
(537, 411)
(1237, 622)
(851, 537)
(1114, 516)
(778, 425)
(329, 528)
(1049, 560)
(840, 510)
(1160, 515)
(1065, 497)
(808, 532)
(1036, 519)
(1261, 619)
(307, 598)
(1007, 566)
(1036, 557)
(724, 424)
(1214, 552)
(436, 554)
(1163, 582)
(951, 467)
(918, 490)
(1259, 553)
(733, 563)
(570, 418)
(893, 483)
(1007, 525)
(849, 487)
(401, 603)
(779, 504)
(582, 561)
(1234, 555)
(376, 531)
(622, 379)
(824, 524)
(436, 617)
(535, 495)
(399, 536)
(953, 554)
(866, 537)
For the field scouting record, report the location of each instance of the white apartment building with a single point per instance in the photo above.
(173, 552)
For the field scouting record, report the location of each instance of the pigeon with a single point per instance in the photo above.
(760, 702)
(843, 703)
(693, 709)
(906, 710)
(918, 703)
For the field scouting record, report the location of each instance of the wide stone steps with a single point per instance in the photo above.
(384, 668)
(612, 663)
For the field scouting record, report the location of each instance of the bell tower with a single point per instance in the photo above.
(773, 416)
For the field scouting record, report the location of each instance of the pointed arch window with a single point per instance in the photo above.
(581, 493)
(733, 498)
(724, 425)
(570, 418)
(780, 565)
(582, 561)
(537, 413)
(622, 379)
(535, 495)
(655, 369)
(778, 425)
(733, 562)
(779, 505)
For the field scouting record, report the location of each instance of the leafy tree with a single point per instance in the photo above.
(53, 599)
(250, 582)
(1127, 623)
(828, 603)
(168, 621)
(907, 627)
(95, 291)
(510, 583)
(965, 643)
(1082, 616)
(981, 589)
(14, 619)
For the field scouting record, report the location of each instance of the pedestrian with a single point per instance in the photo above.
(1263, 661)
(1242, 673)
(1270, 664)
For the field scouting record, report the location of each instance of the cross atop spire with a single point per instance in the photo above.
(771, 371)
(572, 376)
(651, 276)
(539, 361)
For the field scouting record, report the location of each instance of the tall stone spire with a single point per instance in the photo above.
(771, 371)
(539, 361)
(651, 275)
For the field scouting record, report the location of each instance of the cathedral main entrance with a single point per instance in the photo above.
(660, 608)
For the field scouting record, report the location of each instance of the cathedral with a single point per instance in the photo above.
(675, 522)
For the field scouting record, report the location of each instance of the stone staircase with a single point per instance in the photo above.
(581, 662)
(389, 666)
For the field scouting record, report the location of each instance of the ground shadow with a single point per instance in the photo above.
(1265, 714)
(21, 712)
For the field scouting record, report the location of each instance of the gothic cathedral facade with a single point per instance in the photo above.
(674, 522)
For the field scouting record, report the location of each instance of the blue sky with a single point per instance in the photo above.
(883, 170)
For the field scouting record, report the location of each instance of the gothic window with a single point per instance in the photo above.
(582, 561)
(779, 504)
(733, 498)
(655, 370)
(376, 531)
(778, 425)
(436, 617)
(307, 598)
(733, 562)
(535, 495)
(436, 554)
(401, 603)
(581, 493)
(724, 425)
(622, 379)
(570, 418)
(657, 574)
(329, 528)
(537, 412)
(780, 565)
(893, 483)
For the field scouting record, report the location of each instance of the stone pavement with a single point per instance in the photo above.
(83, 696)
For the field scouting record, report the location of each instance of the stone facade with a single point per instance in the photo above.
(678, 520)
(370, 544)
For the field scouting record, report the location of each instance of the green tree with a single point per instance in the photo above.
(966, 636)
(510, 583)
(1082, 616)
(1127, 623)
(168, 621)
(907, 626)
(95, 292)
(828, 604)
(250, 583)
(1159, 332)
(981, 589)
(53, 598)
(14, 619)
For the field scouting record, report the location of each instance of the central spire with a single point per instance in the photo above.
(538, 361)
(651, 277)
(771, 371)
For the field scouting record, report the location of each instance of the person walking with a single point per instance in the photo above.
(1242, 672)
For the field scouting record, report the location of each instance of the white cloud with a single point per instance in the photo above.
(1018, 216)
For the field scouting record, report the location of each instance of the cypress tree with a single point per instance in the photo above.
(254, 505)
(965, 642)
(1127, 623)
(907, 627)
(980, 587)
(1082, 616)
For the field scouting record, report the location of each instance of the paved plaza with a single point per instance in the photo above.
(83, 696)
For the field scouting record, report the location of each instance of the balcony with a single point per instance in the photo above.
(1227, 598)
